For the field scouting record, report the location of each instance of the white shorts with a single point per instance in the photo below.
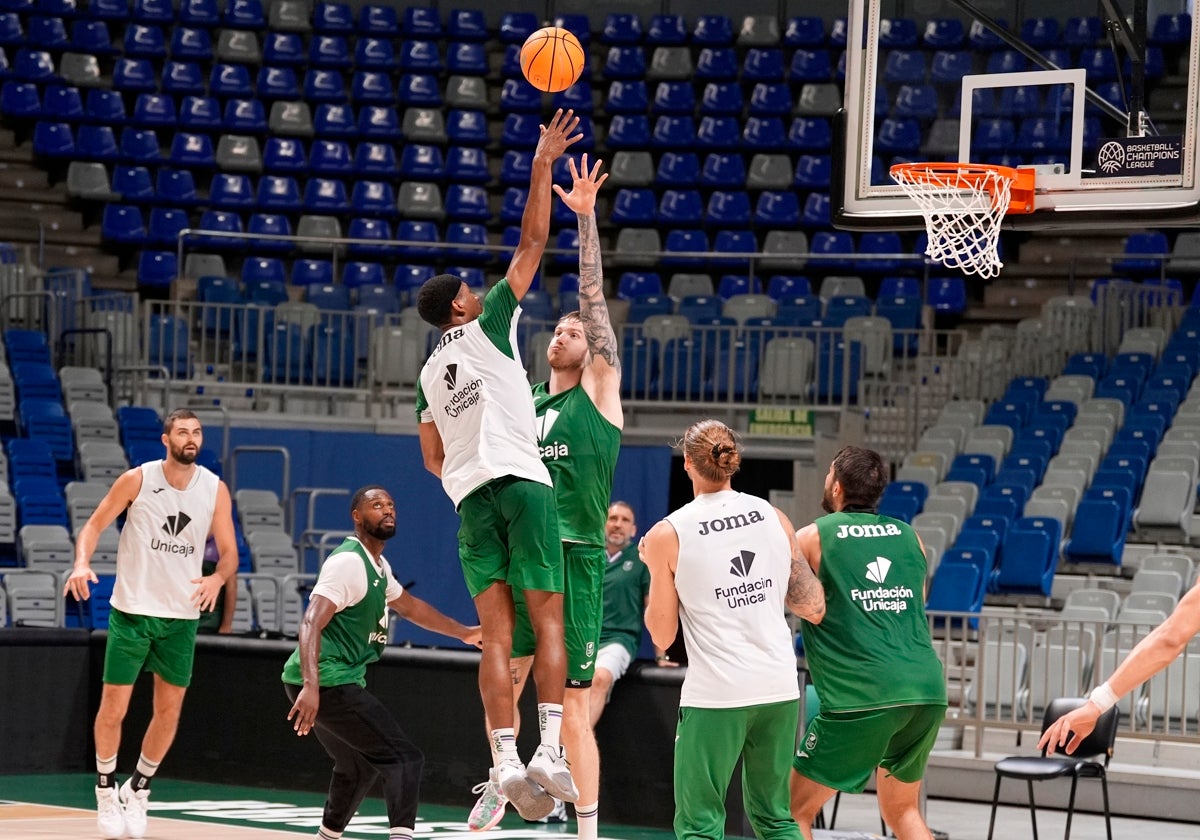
(614, 657)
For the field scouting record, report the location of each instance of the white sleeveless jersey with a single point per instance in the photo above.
(479, 399)
(732, 576)
(162, 544)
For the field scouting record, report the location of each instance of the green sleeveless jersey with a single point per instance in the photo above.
(354, 637)
(579, 447)
(873, 648)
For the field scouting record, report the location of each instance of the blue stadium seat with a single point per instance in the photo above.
(635, 284)
(721, 99)
(356, 274)
(220, 221)
(674, 98)
(677, 169)
(244, 14)
(466, 25)
(713, 30)
(947, 294)
(680, 241)
(284, 155)
(626, 131)
(621, 28)
(229, 81)
(728, 209)
(467, 127)
(133, 184)
(468, 238)
(47, 33)
(142, 41)
(666, 30)
(245, 116)
(634, 208)
(308, 272)
(468, 165)
(157, 269)
(467, 202)
(804, 31)
(764, 134)
(770, 100)
(763, 65)
(269, 224)
(92, 37)
(467, 58)
(375, 160)
(627, 97)
(183, 78)
(423, 234)
(1171, 29)
(284, 49)
(420, 57)
(718, 64)
(376, 54)
(1100, 526)
(176, 187)
(377, 122)
(832, 249)
(330, 52)
(901, 67)
(373, 198)
(379, 20)
(521, 131)
(200, 114)
(123, 224)
(166, 224)
(168, 343)
(722, 170)
(21, 101)
(277, 83)
(331, 158)
(810, 134)
(1005, 61)
(624, 62)
(278, 193)
(718, 134)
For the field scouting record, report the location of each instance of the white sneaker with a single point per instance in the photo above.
(110, 819)
(489, 808)
(136, 803)
(531, 802)
(558, 815)
(549, 768)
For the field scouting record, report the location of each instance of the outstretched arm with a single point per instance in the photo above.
(602, 377)
(423, 614)
(535, 221)
(1149, 656)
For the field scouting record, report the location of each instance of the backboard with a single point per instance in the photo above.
(1100, 96)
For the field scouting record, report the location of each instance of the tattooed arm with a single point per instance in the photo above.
(602, 375)
(805, 594)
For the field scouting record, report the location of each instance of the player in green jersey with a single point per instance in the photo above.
(579, 436)
(880, 683)
(478, 434)
(343, 631)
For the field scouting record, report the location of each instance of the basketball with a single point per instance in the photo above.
(552, 59)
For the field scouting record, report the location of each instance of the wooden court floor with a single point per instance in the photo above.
(62, 807)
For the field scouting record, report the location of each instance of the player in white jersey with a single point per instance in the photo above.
(172, 506)
(478, 435)
(727, 565)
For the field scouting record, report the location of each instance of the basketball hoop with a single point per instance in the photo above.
(963, 205)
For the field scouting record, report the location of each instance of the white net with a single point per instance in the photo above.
(963, 205)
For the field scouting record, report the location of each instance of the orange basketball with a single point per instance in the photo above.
(552, 59)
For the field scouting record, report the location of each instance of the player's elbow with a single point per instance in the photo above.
(813, 613)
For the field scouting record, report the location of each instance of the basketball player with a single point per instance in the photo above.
(344, 630)
(878, 678)
(726, 564)
(478, 434)
(172, 505)
(579, 435)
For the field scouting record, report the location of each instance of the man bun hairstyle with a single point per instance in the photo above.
(435, 298)
(713, 450)
(862, 474)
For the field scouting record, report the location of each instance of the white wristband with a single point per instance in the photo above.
(1104, 697)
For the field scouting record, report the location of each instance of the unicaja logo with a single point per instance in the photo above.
(877, 569)
(740, 566)
(1111, 157)
(451, 377)
(174, 525)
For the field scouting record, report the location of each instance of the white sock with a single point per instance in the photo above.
(587, 821)
(504, 745)
(550, 722)
(328, 833)
(400, 833)
(146, 767)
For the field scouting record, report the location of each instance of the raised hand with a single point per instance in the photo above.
(558, 135)
(585, 184)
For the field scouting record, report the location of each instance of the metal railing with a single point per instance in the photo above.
(1002, 670)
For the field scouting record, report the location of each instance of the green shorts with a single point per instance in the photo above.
(163, 646)
(841, 750)
(583, 612)
(509, 533)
